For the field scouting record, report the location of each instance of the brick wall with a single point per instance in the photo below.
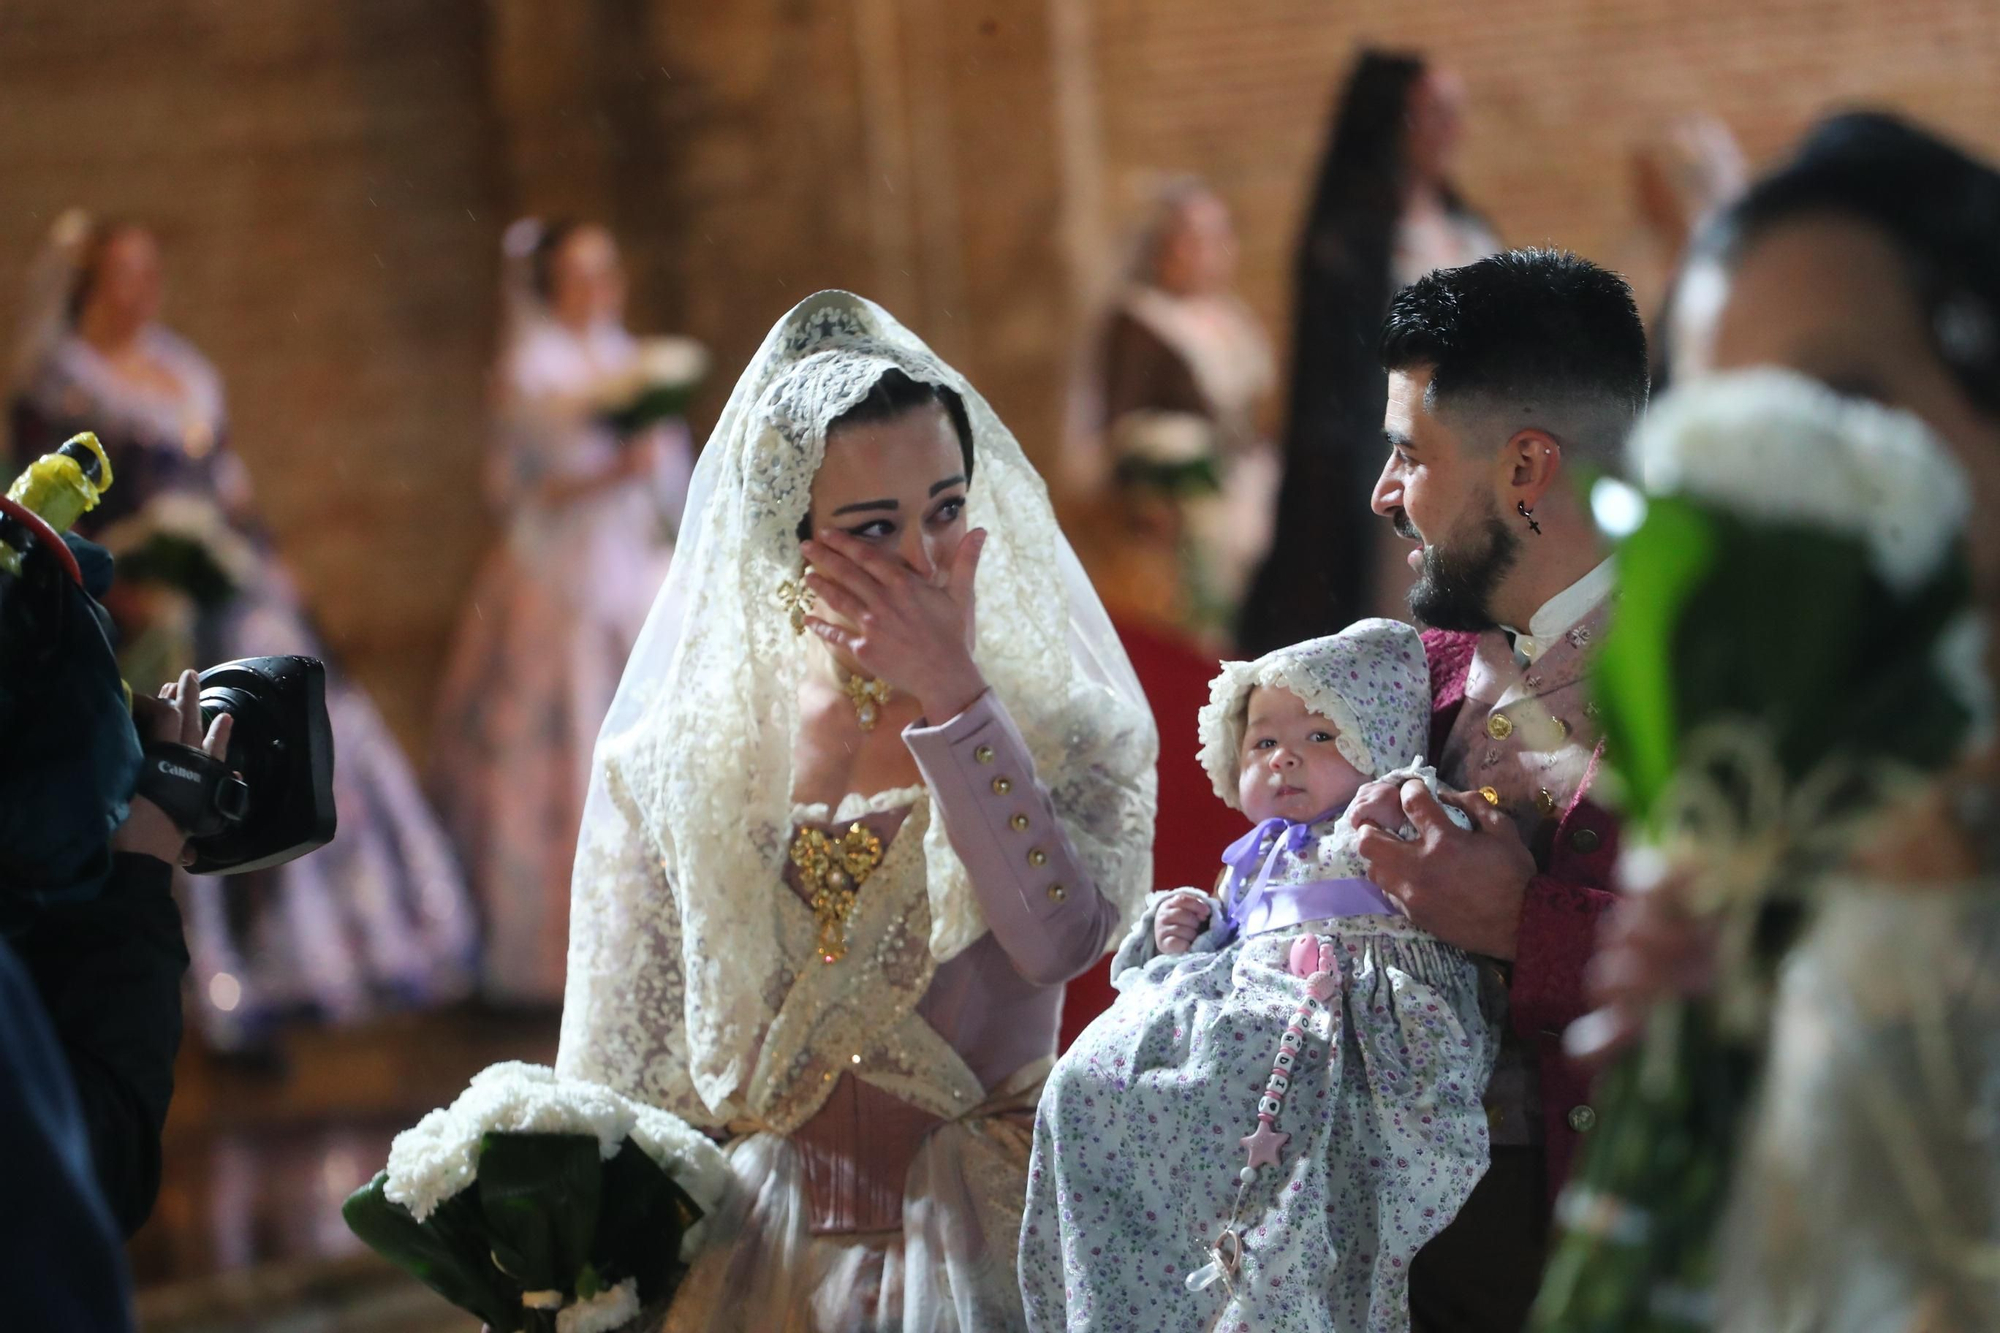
(320, 177)
(1560, 92)
(330, 180)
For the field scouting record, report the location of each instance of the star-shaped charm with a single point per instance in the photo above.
(1264, 1144)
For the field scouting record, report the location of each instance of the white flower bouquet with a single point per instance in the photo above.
(663, 378)
(543, 1204)
(1170, 452)
(1795, 652)
(185, 542)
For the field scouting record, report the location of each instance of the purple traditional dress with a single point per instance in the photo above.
(1262, 1132)
(378, 917)
(553, 616)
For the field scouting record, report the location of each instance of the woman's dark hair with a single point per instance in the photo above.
(90, 260)
(542, 259)
(1937, 204)
(894, 395)
(1319, 574)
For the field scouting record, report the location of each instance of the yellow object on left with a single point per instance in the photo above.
(58, 487)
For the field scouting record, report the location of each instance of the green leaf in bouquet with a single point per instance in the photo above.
(1177, 480)
(1660, 568)
(182, 562)
(644, 1214)
(539, 1194)
(657, 403)
(1798, 631)
(1723, 621)
(444, 1252)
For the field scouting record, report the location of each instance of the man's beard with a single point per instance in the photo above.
(1454, 591)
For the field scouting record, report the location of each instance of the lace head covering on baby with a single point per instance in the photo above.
(1370, 680)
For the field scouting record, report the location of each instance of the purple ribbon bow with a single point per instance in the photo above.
(1253, 858)
(1286, 838)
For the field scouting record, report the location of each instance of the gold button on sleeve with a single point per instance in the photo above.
(1019, 823)
(984, 754)
(1001, 786)
(1038, 858)
(1499, 726)
(1057, 893)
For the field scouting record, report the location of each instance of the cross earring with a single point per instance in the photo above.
(1528, 514)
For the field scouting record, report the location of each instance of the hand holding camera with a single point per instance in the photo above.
(174, 718)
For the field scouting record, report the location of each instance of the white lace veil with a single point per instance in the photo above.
(693, 771)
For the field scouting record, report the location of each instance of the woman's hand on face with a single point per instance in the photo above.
(913, 633)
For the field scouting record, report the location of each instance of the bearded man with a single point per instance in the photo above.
(1512, 382)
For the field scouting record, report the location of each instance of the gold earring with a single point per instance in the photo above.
(796, 598)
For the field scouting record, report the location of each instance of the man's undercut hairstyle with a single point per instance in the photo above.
(1541, 338)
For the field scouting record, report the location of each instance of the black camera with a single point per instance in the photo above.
(76, 759)
(270, 799)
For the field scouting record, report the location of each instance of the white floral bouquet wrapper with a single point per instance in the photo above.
(543, 1203)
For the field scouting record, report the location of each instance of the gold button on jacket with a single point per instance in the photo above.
(1582, 1119)
(1585, 840)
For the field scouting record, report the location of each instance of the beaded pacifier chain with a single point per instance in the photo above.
(1265, 1141)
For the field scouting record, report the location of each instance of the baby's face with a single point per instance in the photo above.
(1289, 766)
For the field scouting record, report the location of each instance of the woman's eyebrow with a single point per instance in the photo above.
(947, 483)
(866, 504)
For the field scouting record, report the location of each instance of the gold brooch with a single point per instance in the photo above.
(868, 696)
(797, 599)
(834, 871)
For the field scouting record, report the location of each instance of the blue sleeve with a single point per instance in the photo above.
(61, 1264)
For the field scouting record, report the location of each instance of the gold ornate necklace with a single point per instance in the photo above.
(834, 871)
(869, 695)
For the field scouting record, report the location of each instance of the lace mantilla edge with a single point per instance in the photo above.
(674, 971)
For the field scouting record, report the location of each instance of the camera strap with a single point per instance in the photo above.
(199, 793)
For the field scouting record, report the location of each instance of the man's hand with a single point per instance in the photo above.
(1465, 887)
(1179, 920)
(174, 716)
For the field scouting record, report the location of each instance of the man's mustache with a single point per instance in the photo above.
(1404, 528)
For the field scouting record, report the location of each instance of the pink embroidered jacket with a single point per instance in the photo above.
(1559, 917)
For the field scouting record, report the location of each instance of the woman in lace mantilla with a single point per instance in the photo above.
(850, 830)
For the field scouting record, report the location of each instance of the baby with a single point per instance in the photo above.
(1283, 1105)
